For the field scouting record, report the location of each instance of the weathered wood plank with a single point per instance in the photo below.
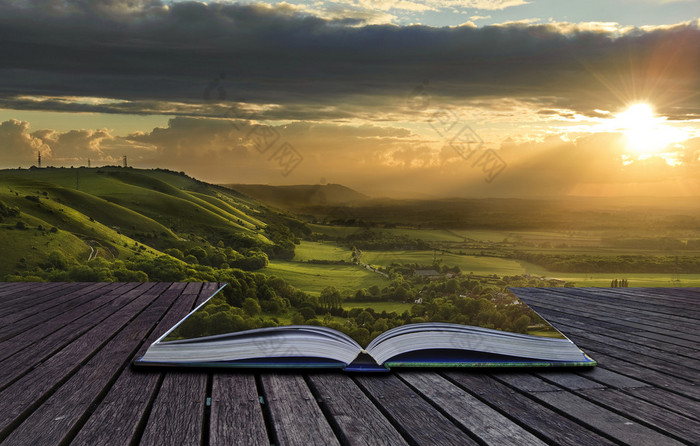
(647, 302)
(296, 417)
(681, 427)
(236, 416)
(646, 320)
(619, 427)
(658, 300)
(24, 394)
(682, 365)
(413, 416)
(50, 326)
(623, 328)
(53, 421)
(37, 295)
(39, 301)
(9, 287)
(630, 326)
(130, 396)
(570, 380)
(61, 305)
(647, 375)
(578, 407)
(668, 366)
(611, 379)
(636, 300)
(32, 347)
(672, 401)
(630, 339)
(650, 412)
(23, 292)
(162, 427)
(553, 426)
(176, 416)
(478, 418)
(639, 320)
(358, 420)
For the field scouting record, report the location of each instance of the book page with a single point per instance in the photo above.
(362, 318)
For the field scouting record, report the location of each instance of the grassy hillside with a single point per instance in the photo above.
(131, 214)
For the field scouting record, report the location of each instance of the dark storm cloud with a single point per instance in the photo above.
(160, 57)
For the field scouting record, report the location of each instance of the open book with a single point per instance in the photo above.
(425, 344)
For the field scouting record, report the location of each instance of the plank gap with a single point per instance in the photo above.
(267, 415)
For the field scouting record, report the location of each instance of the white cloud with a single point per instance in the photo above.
(18, 146)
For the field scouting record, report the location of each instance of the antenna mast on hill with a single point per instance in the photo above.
(125, 165)
(38, 161)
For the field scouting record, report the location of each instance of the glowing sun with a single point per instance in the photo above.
(645, 133)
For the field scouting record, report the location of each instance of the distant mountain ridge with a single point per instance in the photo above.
(300, 196)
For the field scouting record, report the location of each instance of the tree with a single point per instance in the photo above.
(307, 313)
(199, 253)
(57, 259)
(520, 324)
(251, 307)
(381, 325)
(175, 253)
(330, 298)
(361, 335)
(365, 319)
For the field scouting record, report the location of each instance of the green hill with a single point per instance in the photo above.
(126, 214)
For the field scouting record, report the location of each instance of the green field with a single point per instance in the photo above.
(314, 278)
(320, 251)
(634, 279)
(467, 264)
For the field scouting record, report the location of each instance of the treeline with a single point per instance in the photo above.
(613, 264)
(366, 238)
(59, 268)
(658, 243)
(222, 257)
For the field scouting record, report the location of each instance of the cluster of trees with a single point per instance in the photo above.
(483, 312)
(221, 257)
(613, 264)
(619, 283)
(378, 240)
(659, 243)
(407, 287)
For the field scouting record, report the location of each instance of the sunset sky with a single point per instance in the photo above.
(401, 98)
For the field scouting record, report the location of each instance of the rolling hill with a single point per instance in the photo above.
(129, 214)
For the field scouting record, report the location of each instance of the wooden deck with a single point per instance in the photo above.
(65, 378)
